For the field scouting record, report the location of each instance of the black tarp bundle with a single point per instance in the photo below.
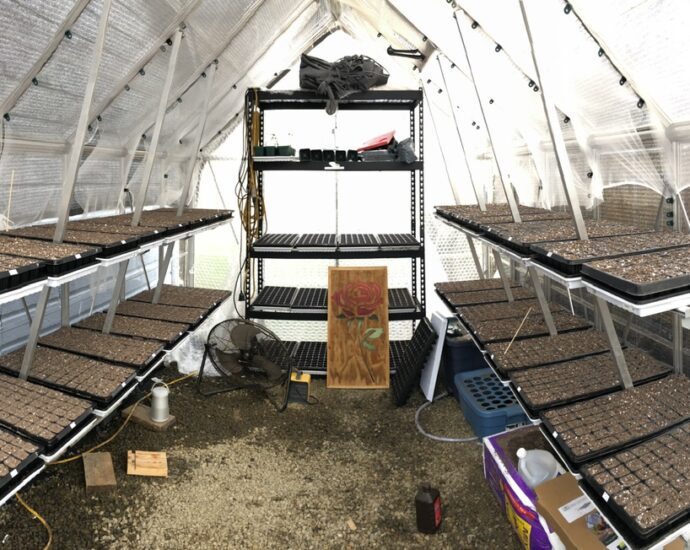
(354, 73)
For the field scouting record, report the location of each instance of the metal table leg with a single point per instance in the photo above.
(115, 298)
(143, 267)
(34, 333)
(677, 343)
(26, 310)
(543, 303)
(502, 273)
(610, 329)
(475, 258)
(162, 270)
(64, 305)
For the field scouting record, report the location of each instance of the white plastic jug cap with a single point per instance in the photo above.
(521, 453)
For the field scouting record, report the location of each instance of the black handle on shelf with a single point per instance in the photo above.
(413, 54)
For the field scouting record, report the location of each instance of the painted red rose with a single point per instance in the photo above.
(358, 299)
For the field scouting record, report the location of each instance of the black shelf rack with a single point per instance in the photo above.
(409, 246)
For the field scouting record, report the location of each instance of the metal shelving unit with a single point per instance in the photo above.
(410, 101)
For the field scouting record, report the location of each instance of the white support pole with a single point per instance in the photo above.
(125, 168)
(162, 270)
(677, 342)
(64, 305)
(614, 343)
(475, 257)
(34, 333)
(82, 125)
(210, 76)
(143, 268)
(26, 310)
(160, 116)
(543, 302)
(565, 171)
(507, 187)
(502, 273)
(116, 296)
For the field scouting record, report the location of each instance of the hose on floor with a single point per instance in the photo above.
(38, 516)
(440, 438)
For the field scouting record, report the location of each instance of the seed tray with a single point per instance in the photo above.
(478, 297)
(57, 258)
(501, 330)
(16, 453)
(274, 297)
(545, 350)
(311, 298)
(400, 299)
(310, 356)
(472, 315)
(109, 243)
(358, 240)
(317, 240)
(94, 380)
(590, 429)
(39, 413)
(151, 329)
(409, 369)
(568, 256)
(398, 241)
(175, 314)
(547, 387)
(123, 350)
(144, 234)
(647, 486)
(157, 220)
(470, 286)
(16, 271)
(276, 240)
(645, 275)
(207, 214)
(184, 296)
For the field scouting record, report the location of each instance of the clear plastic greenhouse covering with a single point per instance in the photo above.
(620, 100)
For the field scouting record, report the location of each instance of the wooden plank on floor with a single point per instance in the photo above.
(99, 473)
(147, 463)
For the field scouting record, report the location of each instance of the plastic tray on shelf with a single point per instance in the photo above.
(398, 241)
(273, 241)
(363, 241)
(275, 297)
(56, 263)
(18, 454)
(110, 244)
(310, 299)
(16, 272)
(534, 326)
(409, 369)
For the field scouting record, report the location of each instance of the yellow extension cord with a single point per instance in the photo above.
(80, 455)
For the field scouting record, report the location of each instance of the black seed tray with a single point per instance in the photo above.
(156, 220)
(546, 350)
(470, 286)
(275, 296)
(175, 314)
(647, 485)
(183, 296)
(480, 297)
(400, 299)
(150, 329)
(144, 234)
(662, 273)
(409, 369)
(311, 298)
(277, 240)
(358, 240)
(502, 330)
(581, 379)
(57, 258)
(16, 272)
(472, 315)
(109, 243)
(16, 454)
(310, 356)
(398, 240)
(317, 240)
(625, 417)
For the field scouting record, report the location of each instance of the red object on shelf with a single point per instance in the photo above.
(378, 142)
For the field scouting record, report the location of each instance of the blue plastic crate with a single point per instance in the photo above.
(488, 405)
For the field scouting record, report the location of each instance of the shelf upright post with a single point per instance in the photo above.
(565, 171)
(143, 268)
(475, 257)
(413, 202)
(34, 332)
(82, 127)
(26, 310)
(116, 296)
(422, 208)
(543, 302)
(677, 342)
(64, 305)
(503, 275)
(162, 270)
(507, 186)
(160, 116)
(610, 329)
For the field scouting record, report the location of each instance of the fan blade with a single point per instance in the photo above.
(229, 363)
(243, 336)
(273, 371)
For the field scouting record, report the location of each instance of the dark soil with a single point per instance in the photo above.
(556, 230)
(135, 326)
(36, 411)
(543, 387)
(498, 330)
(473, 315)
(14, 262)
(470, 286)
(472, 211)
(46, 232)
(13, 451)
(185, 296)
(243, 476)
(486, 296)
(70, 371)
(611, 421)
(527, 438)
(31, 248)
(649, 483)
(175, 314)
(543, 350)
(647, 268)
(96, 224)
(136, 352)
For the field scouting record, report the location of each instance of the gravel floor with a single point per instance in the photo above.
(243, 476)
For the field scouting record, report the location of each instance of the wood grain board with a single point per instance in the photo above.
(147, 463)
(99, 474)
(358, 328)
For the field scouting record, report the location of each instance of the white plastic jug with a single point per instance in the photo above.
(536, 466)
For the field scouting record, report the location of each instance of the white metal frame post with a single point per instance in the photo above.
(541, 297)
(677, 320)
(160, 116)
(116, 296)
(475, 257)
(64, 305)
(82, 126)
(565, 171)
(163, 264)
(507, 186)
(502, 274)
(610, 329)
(34, 332)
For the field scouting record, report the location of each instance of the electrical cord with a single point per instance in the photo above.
(440, 438)
(38, 516)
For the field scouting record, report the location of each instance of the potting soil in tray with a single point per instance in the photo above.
(546, 387)
(504, 310)
(589, 429)
(151, 329)
(545, 350)
(145, 234)
(498, 330)
(176, 314)
(647, 486)
(644, 275)
(15, 454)
(470, 286)
(41, 414)
(58, 258)
(185, 296)
(458, 299)
(109, 242)
(81, 375)
(568, 256)
(16, 271)
(135, 352)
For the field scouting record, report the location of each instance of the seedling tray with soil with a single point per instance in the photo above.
(648, 485)
(185, 296)
(501, 330)
(151, 329)
(462, 299)
(470, 286)
(646, 276)
(144, 234)
(58, 258)
(546, 350)
(472, 217)
(16, 453)
(568, 256)
(205, 214)
(175, 314)
(16, 271)
(472, 315)
(547, 387)
(110, 243)
(133, 352)
(67, 372)
(590, 429)
(39, 413)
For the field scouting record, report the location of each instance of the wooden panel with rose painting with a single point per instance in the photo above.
(358, 328)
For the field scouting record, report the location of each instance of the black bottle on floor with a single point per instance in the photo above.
(428, 505)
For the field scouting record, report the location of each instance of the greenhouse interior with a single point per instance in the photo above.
(344, 274)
